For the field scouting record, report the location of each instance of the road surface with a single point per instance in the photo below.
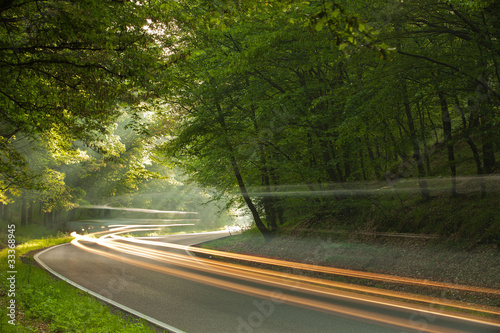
(160, 281)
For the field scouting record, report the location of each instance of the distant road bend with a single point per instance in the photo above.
(161, 280)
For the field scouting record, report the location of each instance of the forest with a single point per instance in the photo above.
(362, 115)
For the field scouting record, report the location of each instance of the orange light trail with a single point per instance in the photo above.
(282, 298)
(283, 280)
(321, 269)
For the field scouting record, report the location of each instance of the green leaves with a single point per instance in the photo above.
(311, 91)
(66, 65)
(56, 194)
(289, 91)
(14, 170)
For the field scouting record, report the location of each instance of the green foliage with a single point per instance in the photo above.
(57, 195)
(65, 66)
(68, 309)
(247, 97)
(293, 93)
(14, 170)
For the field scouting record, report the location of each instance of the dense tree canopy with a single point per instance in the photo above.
(64, 66)
(249, 98)
(323, 93)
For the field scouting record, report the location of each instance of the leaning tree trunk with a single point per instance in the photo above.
(255, 214)
(241, 184)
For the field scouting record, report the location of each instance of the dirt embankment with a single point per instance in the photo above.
(414, 257)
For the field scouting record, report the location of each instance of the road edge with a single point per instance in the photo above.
(122, 307)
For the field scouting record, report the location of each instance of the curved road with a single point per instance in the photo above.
(159, 280)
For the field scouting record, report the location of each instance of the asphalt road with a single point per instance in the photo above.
(180, 293)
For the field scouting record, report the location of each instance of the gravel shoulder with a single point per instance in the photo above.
(414, 257)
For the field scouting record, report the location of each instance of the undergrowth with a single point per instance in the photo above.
(466, 218)
(44, 304)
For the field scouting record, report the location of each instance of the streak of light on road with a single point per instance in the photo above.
(274, 278)
(320, 269)
(253, 291)
(245, 272)
(285, 281)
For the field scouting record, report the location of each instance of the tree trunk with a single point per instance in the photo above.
(445, 113)
(30, 211)
(46, 219)
(421, 116)
(375, 166)
(488, 155)
(433, 127)
(397, 150)
(347, 164)
(416, 147)
(328, 154)
(487, 136)
(241, 184)
(71, 215)
(340, 175)
(268, 199)
(475, 152)
(3, 211)
(277, 202)
(56, 218)
(362, 163)
(327, 160)
(23, 211)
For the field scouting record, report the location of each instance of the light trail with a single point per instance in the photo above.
(117, 227)
(121, 229)
(277, 279)
(465, 184)
(147, 223)
(138, 210)
(283, 279)
(321, 269)
(260, 292)
(256, 292)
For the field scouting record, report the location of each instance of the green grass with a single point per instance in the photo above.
(44, 304)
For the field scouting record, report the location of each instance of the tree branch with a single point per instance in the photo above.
(455, 69)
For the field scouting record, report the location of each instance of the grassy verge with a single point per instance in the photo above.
(44, 304)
